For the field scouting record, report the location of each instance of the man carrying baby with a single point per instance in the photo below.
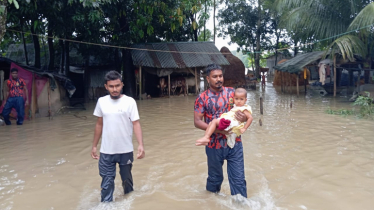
(209, 105)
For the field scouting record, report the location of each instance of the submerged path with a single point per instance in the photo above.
(300, 158)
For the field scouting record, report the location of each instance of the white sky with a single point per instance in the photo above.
(220, 42)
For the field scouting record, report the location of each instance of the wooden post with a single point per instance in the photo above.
(49, 98)
(334, 75)
(305, 79)
(33, 97)
(195, 81)
(1, 85)
(169, 84)
(297, 84)
(281, 74)
(140, 83)
(261, 106)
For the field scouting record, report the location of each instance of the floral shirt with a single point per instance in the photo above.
(213, 104)
(16, 87)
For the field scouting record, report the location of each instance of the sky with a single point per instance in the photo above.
(220, 42)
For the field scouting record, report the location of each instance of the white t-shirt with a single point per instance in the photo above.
(118, 115)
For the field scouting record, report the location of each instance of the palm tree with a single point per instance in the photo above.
(343, 24)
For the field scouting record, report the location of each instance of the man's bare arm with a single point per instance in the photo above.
(139, 138)
(198, 121)
(97, 135)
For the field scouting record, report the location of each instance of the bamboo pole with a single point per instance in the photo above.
(195, 81)
(297, 84)
(49, 99)
(169, 84)
(33, 97)
(334, 75)
(140, 83)
(281, 74)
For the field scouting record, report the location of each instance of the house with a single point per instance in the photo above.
(173, 59)
(48, 92)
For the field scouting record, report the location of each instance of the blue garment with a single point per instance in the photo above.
(19, 104)
(235, 169)
(107, 170)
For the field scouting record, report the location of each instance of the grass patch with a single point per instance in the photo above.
(365, 108)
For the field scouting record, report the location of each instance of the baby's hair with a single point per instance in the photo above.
(241, 90)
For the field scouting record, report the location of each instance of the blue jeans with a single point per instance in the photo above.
(235, 169)
(19, 104)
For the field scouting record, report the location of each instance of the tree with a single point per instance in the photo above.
(205, 35)
(248, 26)
(330, 21)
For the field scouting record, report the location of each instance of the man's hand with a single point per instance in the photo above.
(223, 132)
(242, 130)
(26, 102)
(93, 153)
(141, 152)
(240, 116)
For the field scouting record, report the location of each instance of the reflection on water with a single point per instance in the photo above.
(300, 158)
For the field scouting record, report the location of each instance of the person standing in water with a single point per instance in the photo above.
(14, 98)
(210, 104)
(117, 118)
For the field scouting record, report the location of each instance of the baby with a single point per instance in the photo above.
(228, 122)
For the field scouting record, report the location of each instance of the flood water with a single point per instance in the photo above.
(300, 158)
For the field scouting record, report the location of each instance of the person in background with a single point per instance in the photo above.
(15, 98)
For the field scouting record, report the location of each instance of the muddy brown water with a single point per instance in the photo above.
(301, 158)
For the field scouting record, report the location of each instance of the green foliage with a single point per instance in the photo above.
(332, 23)
(208, 35)
(343, 112)
(366, 108)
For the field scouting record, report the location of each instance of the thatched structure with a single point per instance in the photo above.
(235, 72)
(289, 79)
(173, 59)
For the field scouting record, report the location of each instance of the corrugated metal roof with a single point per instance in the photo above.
(297, 63)
(164, 60)
(97, 78)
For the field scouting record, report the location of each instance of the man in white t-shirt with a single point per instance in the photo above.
(117, 117)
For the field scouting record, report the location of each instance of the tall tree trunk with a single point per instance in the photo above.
(67, 60)
(277, 33)
(62, 61)
(51, 64)
(195, 37)
(276, 50)
(35, 40)
(214, 21)
(205, 24)
(296, 49)
(24, 43)
(258, 39)
(3, 16)
(128, 73)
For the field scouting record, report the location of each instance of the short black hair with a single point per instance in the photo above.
(212, 67)
(112, 75)
(13, 69)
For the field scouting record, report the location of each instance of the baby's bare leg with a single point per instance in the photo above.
(208, 132)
